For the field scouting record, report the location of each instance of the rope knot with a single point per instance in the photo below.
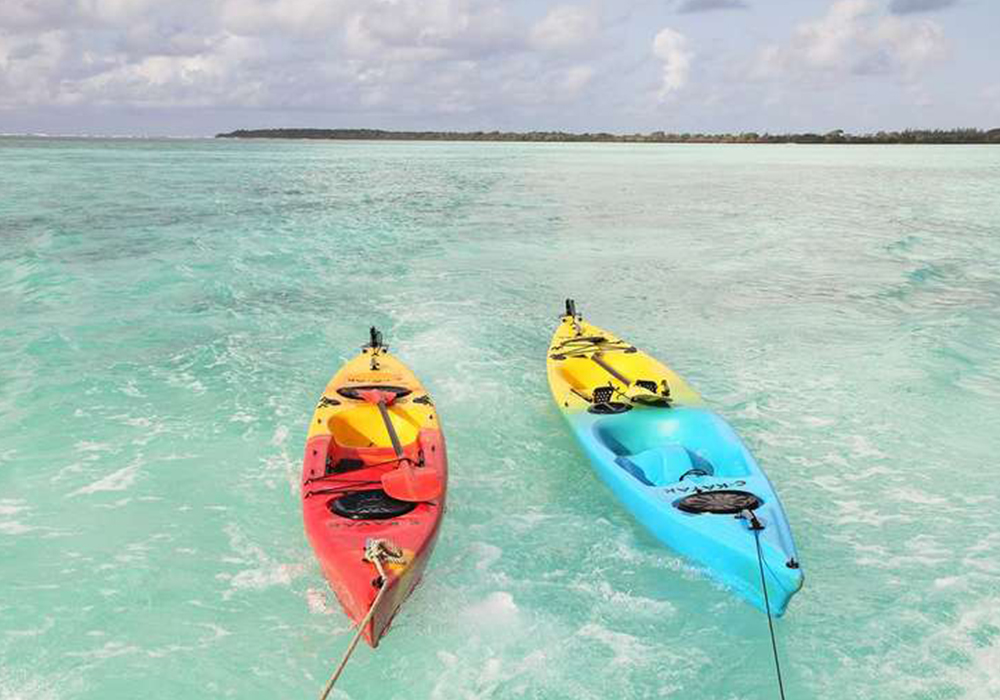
(382, 550)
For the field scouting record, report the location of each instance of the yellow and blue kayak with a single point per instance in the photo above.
(679, 468)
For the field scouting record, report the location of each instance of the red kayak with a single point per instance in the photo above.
(373, 485)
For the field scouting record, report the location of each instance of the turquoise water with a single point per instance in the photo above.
(171, 311)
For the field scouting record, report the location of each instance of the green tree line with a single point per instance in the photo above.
(913, 136)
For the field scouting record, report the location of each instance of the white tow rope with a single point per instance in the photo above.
(377, 552)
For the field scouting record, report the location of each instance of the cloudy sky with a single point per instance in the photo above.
(194, 67)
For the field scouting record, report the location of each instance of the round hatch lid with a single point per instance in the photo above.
(724, 502)
(375, 504)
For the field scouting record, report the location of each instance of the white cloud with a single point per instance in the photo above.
(202, 79)
(854, 37)
(310, 54)
(577, 78)
(671, 47)
(911, 43)
(405, 63)
(565, 28)
(433, 29)
(34, 14)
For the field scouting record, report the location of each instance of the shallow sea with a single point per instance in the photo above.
(172, 309)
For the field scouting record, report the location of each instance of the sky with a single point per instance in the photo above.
(198, 67)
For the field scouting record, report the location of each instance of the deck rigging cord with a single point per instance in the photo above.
(580, 347)
(593, 348)
(376, 550)
(756, 526)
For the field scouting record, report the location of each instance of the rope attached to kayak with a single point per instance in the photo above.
(756, 526)
(377, 551)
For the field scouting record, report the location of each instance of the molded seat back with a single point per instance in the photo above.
(663, 465)
(685, 436)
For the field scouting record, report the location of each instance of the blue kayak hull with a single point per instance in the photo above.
(652, 457)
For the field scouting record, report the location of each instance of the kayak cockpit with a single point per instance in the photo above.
(660, 447)
(362, 426)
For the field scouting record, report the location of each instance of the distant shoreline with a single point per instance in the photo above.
(838, 136)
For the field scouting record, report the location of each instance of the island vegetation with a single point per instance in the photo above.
(910, 136)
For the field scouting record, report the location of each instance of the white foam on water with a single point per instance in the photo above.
(619, 547)
(109, 650)
(486, 555)
(922, 498)
(862, 513)
(176, 456)
(186, 380)
(14, 528)
(983, 556)
(964, 654)
(130, 389)
(135, 421)
(496, 611)
(90, 452)
(47, 624)
(22, 686)
(9, 525)
(92, 446)
(817, 421)
(981, 680)
(949, 582)
(216, 632)
(318, 602)
(267, 573)
(831, 483)
(264, 577)
(120, 503)
(116, 481)
(626, 649)
(490, 672)
(280, 436)
(12, 506)
(277, 468)
(624, 601)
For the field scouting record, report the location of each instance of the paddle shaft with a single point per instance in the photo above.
(396, 447)
(596, 357)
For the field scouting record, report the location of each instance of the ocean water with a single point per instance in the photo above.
(172, 309)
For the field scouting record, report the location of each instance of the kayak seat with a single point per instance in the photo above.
(664, 465)
(667, 464)
(666, 445)
(362, 426)
(661, 463)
